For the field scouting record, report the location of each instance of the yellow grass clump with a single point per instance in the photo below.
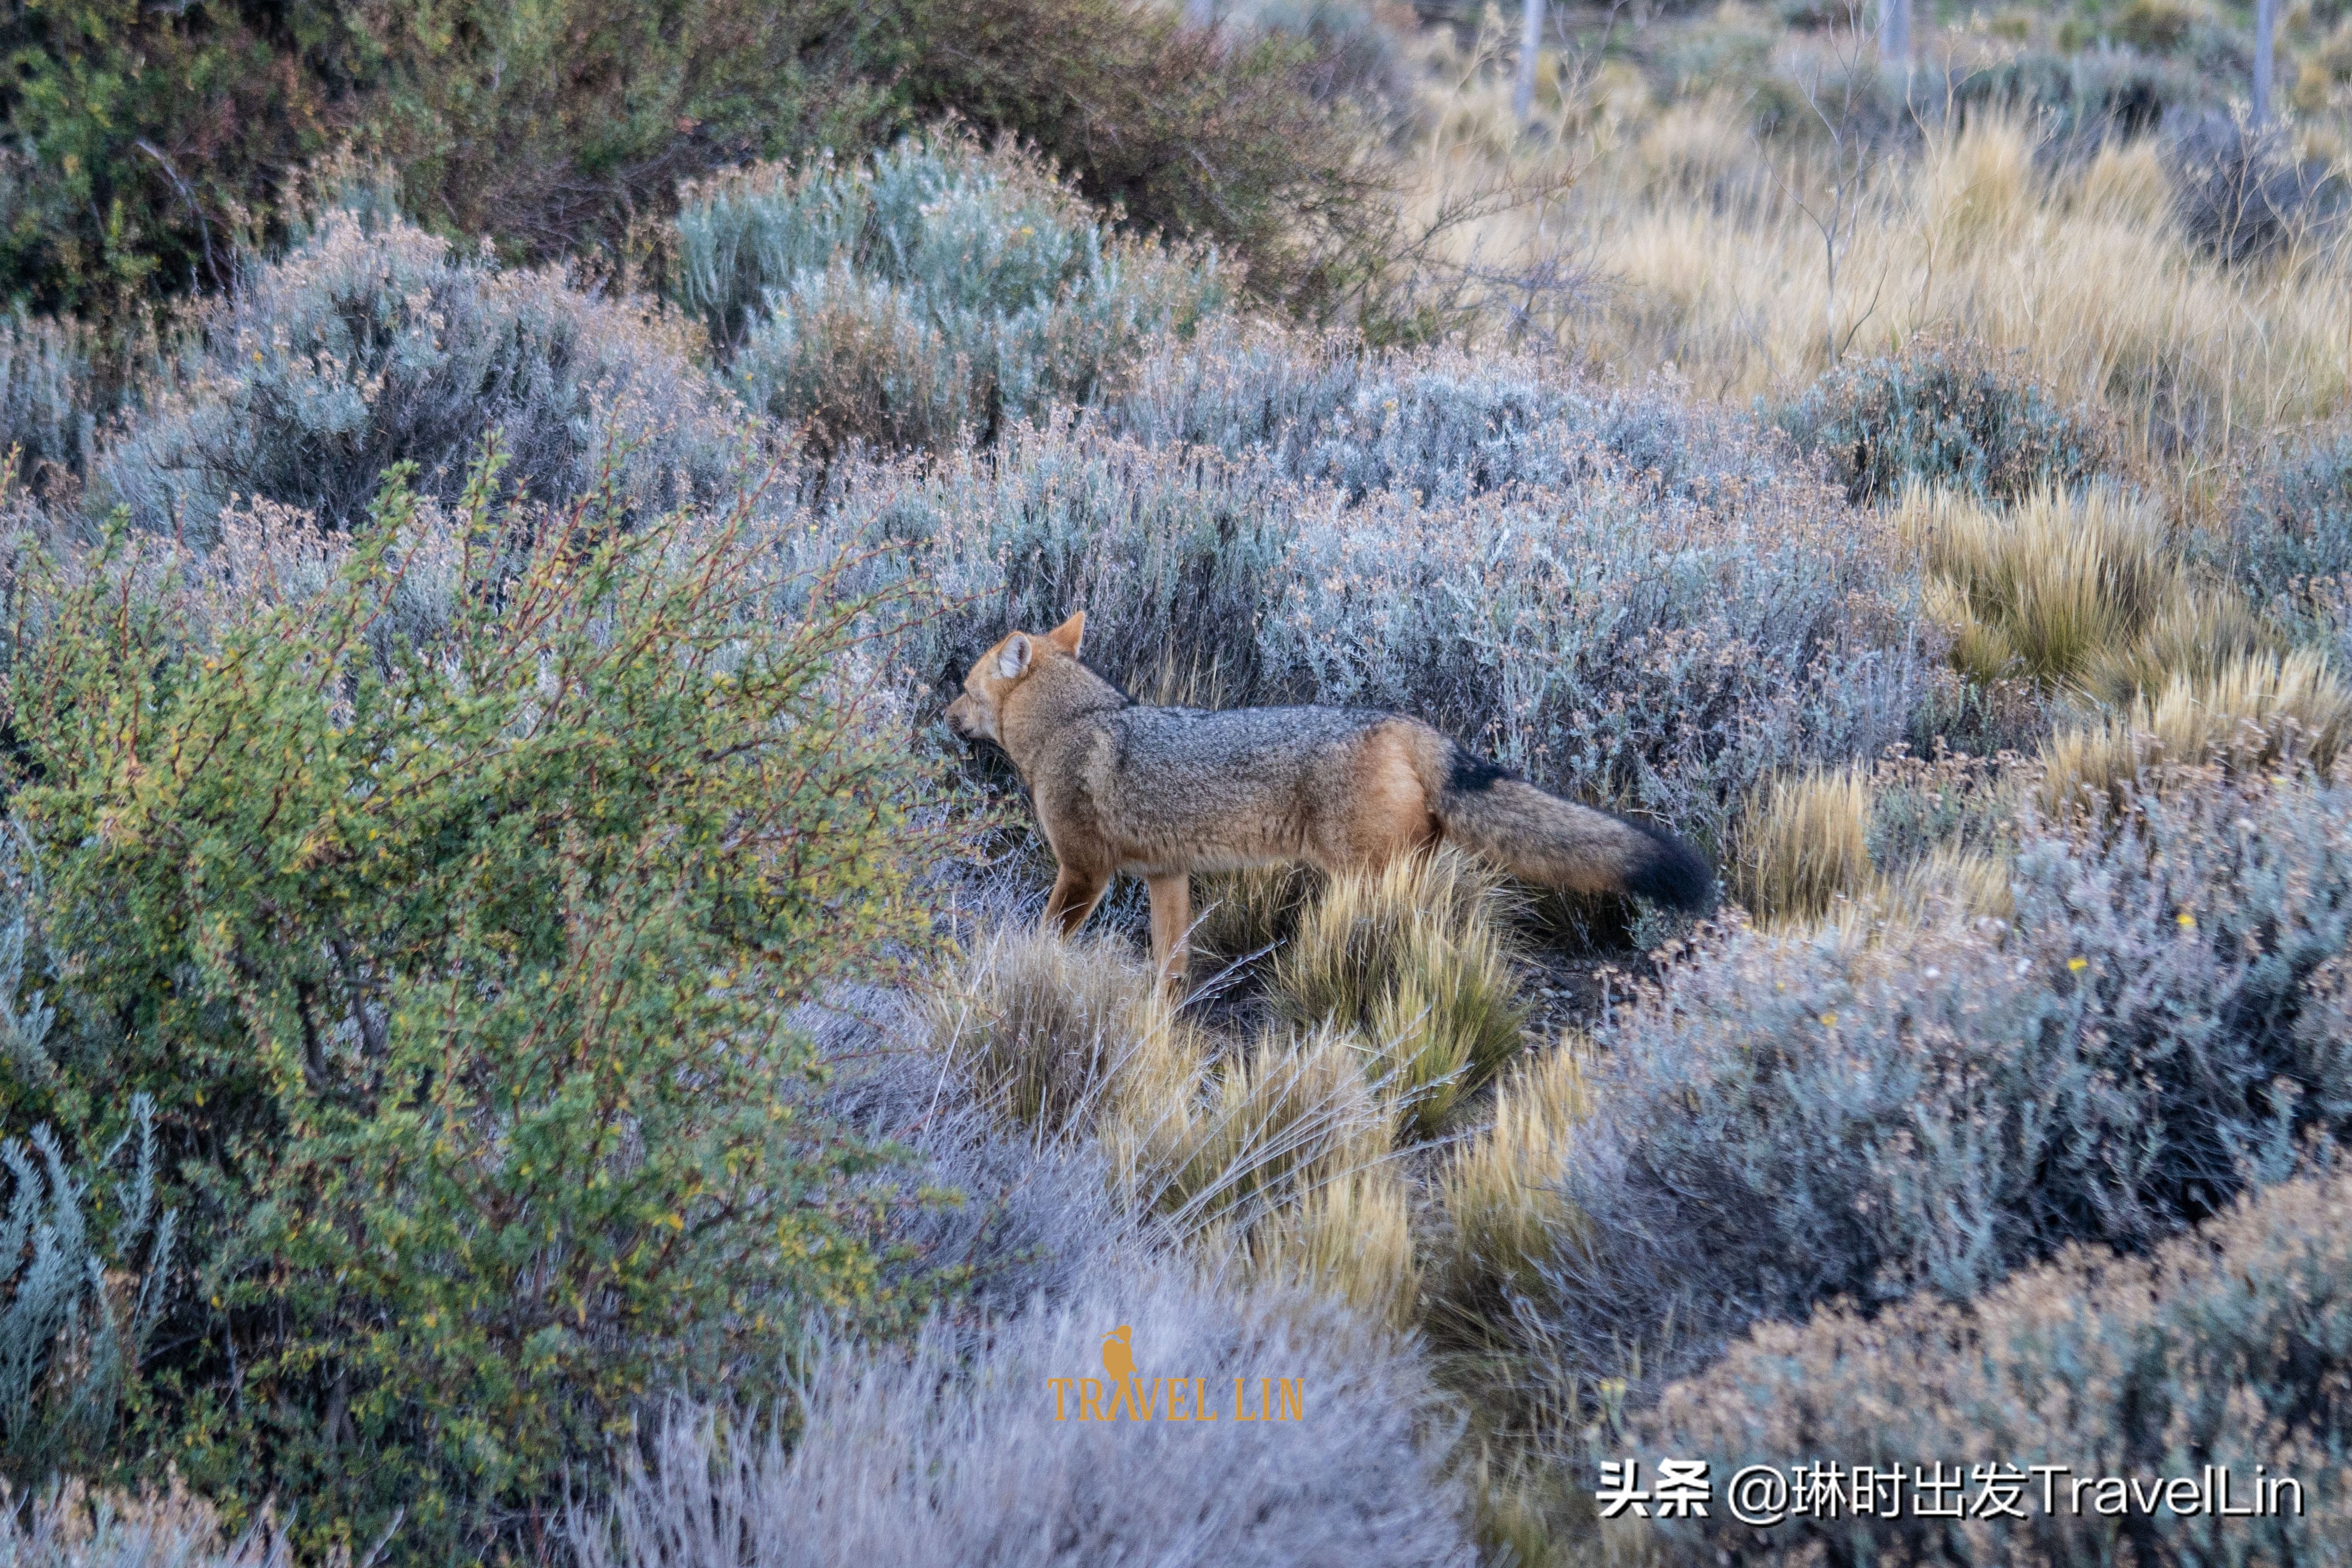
(1500, 1193)
(1412, 956)
(2258, 711)
(2060, 589)
(1804, 843)
(1349, 1234)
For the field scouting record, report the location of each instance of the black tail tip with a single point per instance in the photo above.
(1670, 872)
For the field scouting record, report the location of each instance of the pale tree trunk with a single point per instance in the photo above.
(1894, 32)
(1523, 93)
(2265, 27)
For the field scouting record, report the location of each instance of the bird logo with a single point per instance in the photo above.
(1118, 1356)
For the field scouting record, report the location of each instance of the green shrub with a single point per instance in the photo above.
(455, 941)
(2225, 1348)
(1949, 414)
(928, 297)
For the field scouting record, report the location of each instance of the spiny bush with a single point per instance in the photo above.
(69, 1526)
(1949, 414)
(2241, 194)
(2224, 1348)
(372, 345)
(928, 297)
(1797, 1119)
(457, 957)
(78, 1306)
(953, 1454)
(1415, 958)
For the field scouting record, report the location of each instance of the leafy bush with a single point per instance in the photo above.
(1949, 415)
(453, 938)
(75, 1310)
(2222, 1348)
(951, 1454)
(1794, 1119)
(369, 347)
(932, 296)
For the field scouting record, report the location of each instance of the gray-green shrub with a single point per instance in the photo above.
(45, 394)
(370, 345)
(1614, 632)
(933, 294)
(1949, 415)
(951, 1453)
(76, 1307)
(1795, 1119)
(2230, 1347)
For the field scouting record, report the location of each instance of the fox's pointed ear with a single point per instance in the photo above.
(1013, 657)
(1069, 634)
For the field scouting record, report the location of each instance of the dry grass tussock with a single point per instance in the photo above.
(1415, 957)
(2077, 592)
(1806, 857)
(1276, 1151)
(2259, 712)
(2076, 264)
(1500, 1193)
(71, 1526)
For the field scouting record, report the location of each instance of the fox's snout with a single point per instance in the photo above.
(965, 719)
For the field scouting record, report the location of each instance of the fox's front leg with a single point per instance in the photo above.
(1172, 916)
(1073, 898)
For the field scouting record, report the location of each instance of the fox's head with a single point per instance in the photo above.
(979, 713)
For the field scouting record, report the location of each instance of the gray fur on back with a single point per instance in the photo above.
(1220, 789)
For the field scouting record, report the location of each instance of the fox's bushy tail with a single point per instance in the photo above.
(1559, 844)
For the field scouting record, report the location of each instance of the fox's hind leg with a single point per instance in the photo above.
(1171, 914)
(1073, 898)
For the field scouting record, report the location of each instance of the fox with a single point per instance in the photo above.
(1162, 793)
